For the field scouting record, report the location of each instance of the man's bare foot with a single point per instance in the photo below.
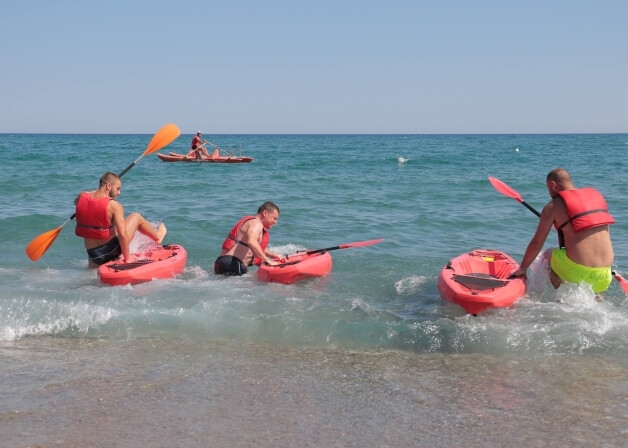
(161, 232)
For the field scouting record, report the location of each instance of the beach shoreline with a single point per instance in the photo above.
(159, 392)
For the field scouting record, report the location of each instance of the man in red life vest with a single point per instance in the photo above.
(100, 222)
(582, 220)
(247, 242)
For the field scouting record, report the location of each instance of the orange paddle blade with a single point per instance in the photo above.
(163, 137)
(622, 282)
(507, 190)
(360, 243)
(40, 244)
(504, 189)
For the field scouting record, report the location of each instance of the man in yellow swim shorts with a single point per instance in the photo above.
(582, 220)
(570, 271)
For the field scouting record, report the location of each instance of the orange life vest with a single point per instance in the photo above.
(232, 240)
(92, 219)
(586, 208)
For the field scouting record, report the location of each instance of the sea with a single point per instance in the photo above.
(368, 356)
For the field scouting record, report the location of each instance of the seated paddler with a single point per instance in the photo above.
(100, 221)
(247, 242)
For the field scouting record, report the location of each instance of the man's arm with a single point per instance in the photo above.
(117, 216)
(538, 240)
(251, 237)
(273, 255)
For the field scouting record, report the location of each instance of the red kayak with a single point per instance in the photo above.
(478, 280)
(214, 158)
(297, 267)
(157, 262)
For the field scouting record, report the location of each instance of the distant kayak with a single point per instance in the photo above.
(478, 280)
(216, 157)
(297, 267)
(157, 262)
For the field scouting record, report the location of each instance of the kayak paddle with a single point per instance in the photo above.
(506, 190)
(207, 142)
(162, 138)
(342, 246)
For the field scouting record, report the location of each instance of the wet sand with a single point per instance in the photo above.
(57, 392)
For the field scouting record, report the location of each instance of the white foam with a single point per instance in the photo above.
(409, 285)
(287, 249)
(55, 318)
(140, 242)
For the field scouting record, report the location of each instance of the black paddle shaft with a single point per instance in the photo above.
(532, 209)
(315, 251)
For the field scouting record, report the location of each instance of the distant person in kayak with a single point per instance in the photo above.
(247, 242)
(100, 222)
(582, 220)
(196, 148)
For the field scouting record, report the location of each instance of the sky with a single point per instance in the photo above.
(314, 67)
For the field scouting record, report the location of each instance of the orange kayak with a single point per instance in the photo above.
(157, 262)
(297, 267)
(478, 280)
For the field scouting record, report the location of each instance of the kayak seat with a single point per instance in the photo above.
(127, 266)
(479, 281)
(116, 267)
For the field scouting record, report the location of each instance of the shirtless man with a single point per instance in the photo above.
(247, 241)
(196, 147)
(582, 220)
(100, 222)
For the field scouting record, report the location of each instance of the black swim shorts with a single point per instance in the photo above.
(229, 265)
(107, 252)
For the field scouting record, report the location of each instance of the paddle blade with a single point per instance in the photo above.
(344, 246)
(360, 243)
(162, 138)
(40, 244)
(622, 282)
(504, 189)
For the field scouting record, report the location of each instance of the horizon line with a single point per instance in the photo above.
(324, 133)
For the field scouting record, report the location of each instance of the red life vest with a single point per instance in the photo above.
(232, 240)
(92, 219)
(586, 209)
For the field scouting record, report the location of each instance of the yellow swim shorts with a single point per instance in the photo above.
(569, 271)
